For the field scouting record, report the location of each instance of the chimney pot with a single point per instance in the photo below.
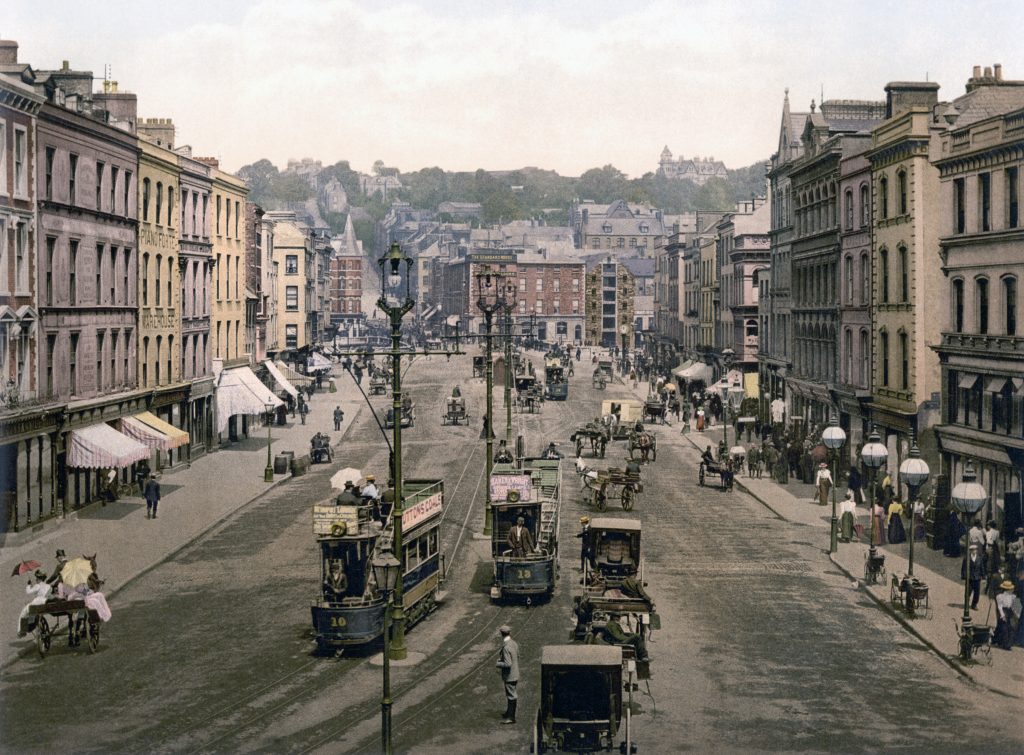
(8, 52)
(65, 65)
(997, 69)
(977, 72)
(988, 72)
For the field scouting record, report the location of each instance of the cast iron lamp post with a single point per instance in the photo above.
(968, 498)
(624, 332)
(914, 473)
(834, 438)
(385, 572)
(728, 357)
(874, 455)
(491, 299)
(268, 473)
(396, 303)
(510, 292)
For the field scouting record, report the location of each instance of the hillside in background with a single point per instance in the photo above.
(504, 195)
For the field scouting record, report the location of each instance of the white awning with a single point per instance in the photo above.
(318, 363)
(996, 384)
(282, 382)
(698, 371)
(101, 446)
(151, 431)
(293, 377)
(968, 380)
(239, 391)
(678, 371)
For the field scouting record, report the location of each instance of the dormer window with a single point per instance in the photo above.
(607, 228)
(644, 228)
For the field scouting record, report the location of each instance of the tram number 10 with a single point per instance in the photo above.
(338, 622)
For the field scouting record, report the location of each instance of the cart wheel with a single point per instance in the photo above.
(600, 499)
(92, 635)
(628, 498)
(700, 476)
(42, 636)
(579, 447)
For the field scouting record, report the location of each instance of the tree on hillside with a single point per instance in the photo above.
(602, 185)
(348, 178)
(260, 178)
(716, 194)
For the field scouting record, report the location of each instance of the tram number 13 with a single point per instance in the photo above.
(523, 574)
(338, 622)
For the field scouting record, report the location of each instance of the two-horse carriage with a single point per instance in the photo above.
(455, 412)
(320, 451)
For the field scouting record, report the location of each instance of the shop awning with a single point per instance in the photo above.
(678, 371)
(282, 382)
(318, 363)
(101, 447)
(996, 384)
(151, 431)
(239, 391)
(293, 377)
(698, 371)
(968, 380)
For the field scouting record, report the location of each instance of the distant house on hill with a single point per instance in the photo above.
(697, 169)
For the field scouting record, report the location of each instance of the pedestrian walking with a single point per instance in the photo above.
(508, 664)
(141, 474)
(974, 565)
(753, 462)
(1008, 613)
(823, 481)
(339, 415)
(152, 497)
(954, 534)
(855, 486)
(848, 519)
(700, 419)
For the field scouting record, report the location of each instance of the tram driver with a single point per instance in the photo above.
(336, 583)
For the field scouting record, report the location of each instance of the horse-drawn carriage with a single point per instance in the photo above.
(599, 380)
(378, 383)
(479, 366)
(600, 485)
(529, 394)
(627, 412)
(455, 411)
(320, 451)
(719, 469)
(655, 410)
(645, 442)
(594, 434)
(82, 623)
(408, 414)
(581, 699)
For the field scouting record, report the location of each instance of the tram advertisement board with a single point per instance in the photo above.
(325, 516)
(421, 510)
(501, 484)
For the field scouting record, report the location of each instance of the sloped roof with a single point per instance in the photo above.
(985, 102)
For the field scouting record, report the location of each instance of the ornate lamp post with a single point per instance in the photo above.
(914, 473)
(834, 439)
(624, 332)
(268, 473)
(396, 303)
(510, 296)
(968, 498)
(385, 572)
(728, 357)
(491, 298)
(874, 455)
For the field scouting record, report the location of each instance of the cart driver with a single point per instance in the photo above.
(551, 452)
(348, 496)
(456, 392)
(502, 455)
(336, 583)
(707, 457)
(614, 634)
(632, 467)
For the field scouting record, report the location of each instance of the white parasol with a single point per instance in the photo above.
(348, 474)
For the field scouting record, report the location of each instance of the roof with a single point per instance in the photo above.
(610, 523)
(985, 102)
(641, 267)
(581, 655)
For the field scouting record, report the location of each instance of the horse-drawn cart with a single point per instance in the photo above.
(594, 434)
(455, 413)
(655, 410)
(614, 482)
(378, 384)
(82, 623)
(644, 442)
(599, 380)
(320, 450)
(717, 469)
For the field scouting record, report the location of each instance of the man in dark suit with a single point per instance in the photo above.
(152, 497)
(508, 663)
(976, 563)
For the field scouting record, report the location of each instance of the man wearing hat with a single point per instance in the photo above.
(370, 492)
(61, 560)
(976, 563)
(586, 550)
(1008, 611)
(508, 663)
(519, 538)
(348, 496)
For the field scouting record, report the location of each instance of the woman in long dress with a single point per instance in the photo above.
(878, 524)
(954, 532)
(823, 480)
(848, 519)
(895, 529)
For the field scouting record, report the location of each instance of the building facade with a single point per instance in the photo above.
(610, 299)
(227, 322)
(293, 253)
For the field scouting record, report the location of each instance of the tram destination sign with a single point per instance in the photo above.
(501, 484)
(421, 510)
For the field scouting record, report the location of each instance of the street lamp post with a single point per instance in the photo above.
(874, 455)
(491, 299)
(396, 303)
(624, 332)
(914, 473)
(509, 300)
(834, 438)
(968, 498)
(268, 473)
(385, 572)
(728, 357)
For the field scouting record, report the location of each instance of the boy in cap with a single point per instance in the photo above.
(508, 663)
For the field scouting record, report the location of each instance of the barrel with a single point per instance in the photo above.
(281, 463)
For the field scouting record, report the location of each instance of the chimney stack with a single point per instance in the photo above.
(8, 52)
(977, 72)
(997, 69)
(988, 72)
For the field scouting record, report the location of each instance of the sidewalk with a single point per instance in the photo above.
(793, 502)
(193, 499)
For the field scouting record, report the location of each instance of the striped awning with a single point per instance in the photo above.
(153, 432)
(282, 382)
(293, 377)
(102, 447)
(239, 391)
(318, 363)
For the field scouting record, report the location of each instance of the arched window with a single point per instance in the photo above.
(159, 201)
(883, 276)
(904, 276)
(156, 361)
(848, 356)
(862, 359)
(170, 278)
(883, 198)
(145, 361)
(901, 190)
(865, 206)
(170, 356)
(848, 210)
(145, 199)
(145, 279)
(958, 305)
(981, 295)
(848, 275)
(170, 203)
(865, 278)
(156, 288)
(1010, 306)
(904, 361)
(883, 346)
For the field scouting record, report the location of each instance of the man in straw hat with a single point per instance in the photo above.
(586, 551)
(1008, 611)
(508, 664)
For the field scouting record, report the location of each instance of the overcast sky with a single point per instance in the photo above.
(466, 85)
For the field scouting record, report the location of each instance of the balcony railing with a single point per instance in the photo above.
(989, 344)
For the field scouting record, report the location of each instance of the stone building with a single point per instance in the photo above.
(699, 170)
(228, 251)
(906, 315)
(261, 278)
(618, 228)
(293, 254)
(610, 292)
(347, 282)
(980, 158)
